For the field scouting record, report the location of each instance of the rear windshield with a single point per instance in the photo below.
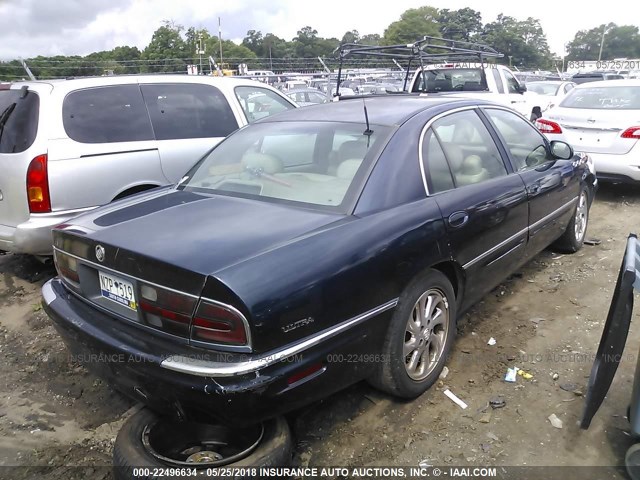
(315, 163)
(18, 120)
(452, 80)
(605, 98)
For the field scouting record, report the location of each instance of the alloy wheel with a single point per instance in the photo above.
(426, 334)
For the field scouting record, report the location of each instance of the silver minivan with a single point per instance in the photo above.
(67, 146)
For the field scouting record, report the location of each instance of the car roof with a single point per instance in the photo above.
(630, 82)
(553, 82)
(381, 110)
(83, 82)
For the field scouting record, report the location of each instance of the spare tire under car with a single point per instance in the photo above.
(149, 441)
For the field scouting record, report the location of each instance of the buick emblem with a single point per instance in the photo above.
(100, 253)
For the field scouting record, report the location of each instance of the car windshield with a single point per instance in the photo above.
(604, 98)
(542, 88)
(316, 163)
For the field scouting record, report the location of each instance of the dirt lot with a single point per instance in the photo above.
(547, 319)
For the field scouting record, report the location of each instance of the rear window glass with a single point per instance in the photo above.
(106, 115)
(188, 111)
(605, 98)
(451, 80)
(18, 120)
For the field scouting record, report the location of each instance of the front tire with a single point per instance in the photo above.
(573, 237)
(419, 337)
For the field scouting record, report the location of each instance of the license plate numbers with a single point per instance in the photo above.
(117, 290)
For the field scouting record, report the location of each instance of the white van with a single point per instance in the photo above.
(67, 146)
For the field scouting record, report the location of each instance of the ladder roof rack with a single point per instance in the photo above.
(427, 50)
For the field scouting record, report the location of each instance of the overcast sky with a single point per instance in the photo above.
(78, 27)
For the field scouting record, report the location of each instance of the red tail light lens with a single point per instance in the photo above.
(547, 126)
(38, 185)
(631, 132)
(66, 266)
(166, 310)
(215, 323)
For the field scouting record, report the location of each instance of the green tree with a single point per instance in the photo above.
(352, 36)
(619, 42)
(464, 24)
(523, 43)
(412, 26)
(167, 51)
(306, 43)
(254, 41)
(371, 39)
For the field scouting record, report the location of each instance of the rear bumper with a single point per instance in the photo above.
(34, 236)
(617, 168)
(135, 363)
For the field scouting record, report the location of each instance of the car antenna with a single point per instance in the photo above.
(368, 131)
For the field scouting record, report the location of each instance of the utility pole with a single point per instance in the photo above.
(27, 69)
(220, 41)
(200, 51)
(604, 31)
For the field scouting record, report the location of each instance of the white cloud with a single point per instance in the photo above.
(67, 27)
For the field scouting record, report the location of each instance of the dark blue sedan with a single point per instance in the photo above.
(311, 250)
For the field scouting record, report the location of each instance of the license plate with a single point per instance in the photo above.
(117, 290)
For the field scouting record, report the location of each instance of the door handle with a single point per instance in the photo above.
(458, 219)
(535, 188)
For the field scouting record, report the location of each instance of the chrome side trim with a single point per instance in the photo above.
(203, 368)
(508, 252)
(493, 249)
(577, 127)
(554, 213)
(423, 133)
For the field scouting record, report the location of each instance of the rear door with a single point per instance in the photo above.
(188, 120)
(103, 146)
(484, 206)
(552, 185)
(19, 117)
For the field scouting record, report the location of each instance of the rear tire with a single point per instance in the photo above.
(419, 337)
(129, 452)
(573, 237)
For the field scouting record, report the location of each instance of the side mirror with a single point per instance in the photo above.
(522, 88)
(561, 150)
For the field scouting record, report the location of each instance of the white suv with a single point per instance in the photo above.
(69, 146)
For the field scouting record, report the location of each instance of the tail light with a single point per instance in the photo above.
(167, 310)
(38, 185)
(215, 323)
(631, 132)
(66, 266)
(547, 126)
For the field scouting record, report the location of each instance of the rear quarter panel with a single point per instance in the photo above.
(338, 273)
